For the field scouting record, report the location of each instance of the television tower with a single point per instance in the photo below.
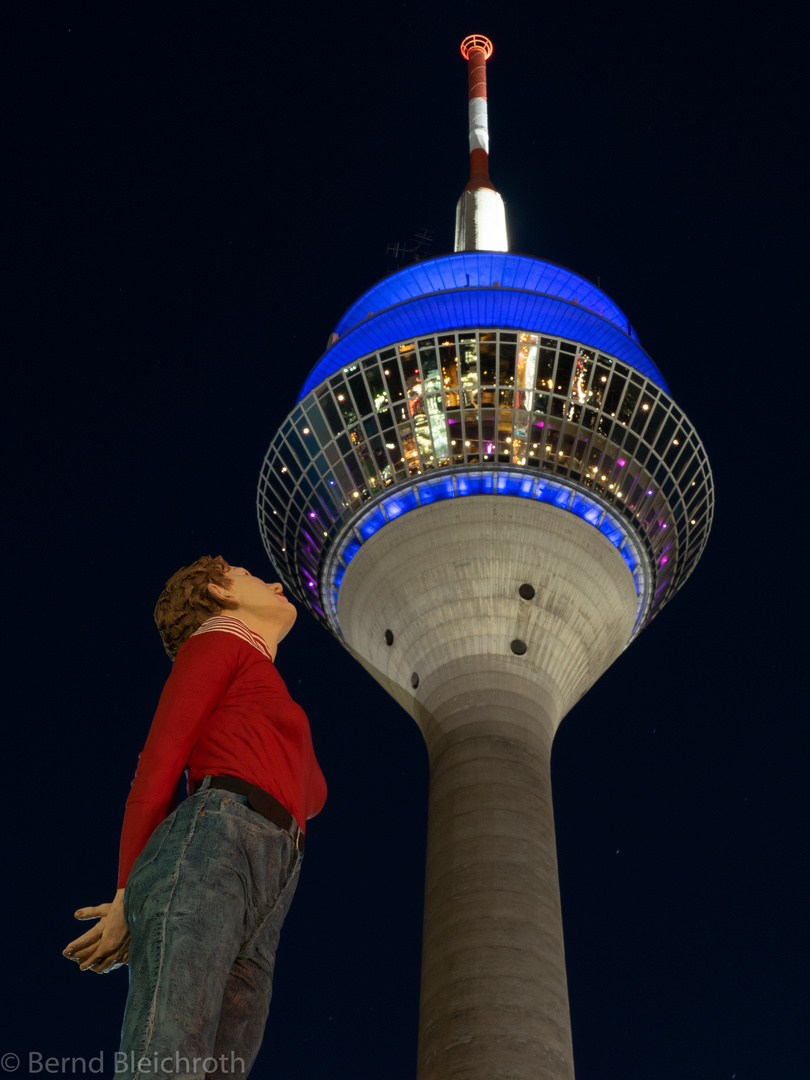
(485, 491)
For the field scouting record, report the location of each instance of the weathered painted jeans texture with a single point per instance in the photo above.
(205, 903)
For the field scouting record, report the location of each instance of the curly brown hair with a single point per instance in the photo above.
(186, 602)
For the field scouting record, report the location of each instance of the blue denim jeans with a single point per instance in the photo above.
(205, 903)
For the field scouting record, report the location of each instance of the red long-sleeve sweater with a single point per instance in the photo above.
(224, 711)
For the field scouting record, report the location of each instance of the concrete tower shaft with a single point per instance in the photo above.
(488, 644)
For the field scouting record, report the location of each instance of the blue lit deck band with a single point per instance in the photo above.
(506, 482)
(448, 311)
(489, 399)
(476, 288)
(483, 268)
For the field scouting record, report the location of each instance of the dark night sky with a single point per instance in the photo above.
(193, 197)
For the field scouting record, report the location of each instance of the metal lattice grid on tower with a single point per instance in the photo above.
(485, 492)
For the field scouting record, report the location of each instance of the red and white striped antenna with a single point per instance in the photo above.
(476, 50)
(480, 215)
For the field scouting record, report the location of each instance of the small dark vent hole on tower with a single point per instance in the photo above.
(414, 680)
(526, 592)
(518, 647)
(389, 637)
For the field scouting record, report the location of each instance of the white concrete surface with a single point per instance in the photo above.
(444, 581)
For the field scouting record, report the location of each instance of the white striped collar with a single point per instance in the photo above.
(228, 624)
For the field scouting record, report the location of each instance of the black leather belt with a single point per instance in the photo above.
(259, 800)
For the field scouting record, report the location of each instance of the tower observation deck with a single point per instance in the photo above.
(485, 491)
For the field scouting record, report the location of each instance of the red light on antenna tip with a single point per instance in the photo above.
(476, 41)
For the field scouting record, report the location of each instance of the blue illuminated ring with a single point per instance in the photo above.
(460, 483)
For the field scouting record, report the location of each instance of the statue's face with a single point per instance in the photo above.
(257, 596)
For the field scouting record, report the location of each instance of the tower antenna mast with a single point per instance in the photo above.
(480, 214)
